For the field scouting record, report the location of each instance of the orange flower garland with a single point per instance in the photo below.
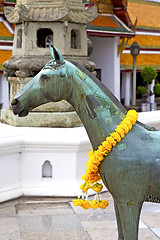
(92, 175)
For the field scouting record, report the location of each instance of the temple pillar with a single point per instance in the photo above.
(4, 92)
(126, 88)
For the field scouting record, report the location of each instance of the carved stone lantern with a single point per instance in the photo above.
(38, 23)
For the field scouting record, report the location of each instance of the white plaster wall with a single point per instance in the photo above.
(106, 58)
(23, 152)
(10, 148)
(4, 91)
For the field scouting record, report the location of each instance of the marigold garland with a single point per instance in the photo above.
(92, 175)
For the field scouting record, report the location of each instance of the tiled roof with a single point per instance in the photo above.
(147, 41)
(6, 34)
(4, 31)
(113, 19)
(147, 13)
(105, 21)
(147, 34)
(117, 7)
(142, 61)
(4, 56)
(108, 24)
(6, 42)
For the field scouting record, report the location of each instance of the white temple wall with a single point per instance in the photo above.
(106, 58)
(42, 161)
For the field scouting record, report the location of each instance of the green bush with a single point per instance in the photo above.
(157, 89)
(148, 74)
(142, 90)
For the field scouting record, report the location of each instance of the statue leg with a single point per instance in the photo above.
(119, 225)
(129, 215)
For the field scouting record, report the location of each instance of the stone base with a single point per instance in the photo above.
(41, 119)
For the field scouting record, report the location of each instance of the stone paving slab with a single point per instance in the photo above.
(58, 219)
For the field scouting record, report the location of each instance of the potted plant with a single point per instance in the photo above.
(147, 91)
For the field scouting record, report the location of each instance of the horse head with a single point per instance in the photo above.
(53, 83)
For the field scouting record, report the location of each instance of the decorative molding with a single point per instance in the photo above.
(49, 13)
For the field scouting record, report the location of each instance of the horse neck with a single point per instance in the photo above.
(98, 113)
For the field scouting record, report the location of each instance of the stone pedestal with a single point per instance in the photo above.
(42, 119)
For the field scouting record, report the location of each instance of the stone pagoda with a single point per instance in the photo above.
(37, 24)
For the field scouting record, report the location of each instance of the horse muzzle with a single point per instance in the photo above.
(17, 110)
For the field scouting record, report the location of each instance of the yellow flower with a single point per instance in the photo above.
(94, 204)
(102, 148)
(94, 178)
(86, 204)
(97, 187)
(125, 127)
(126, 122)
(132, 116)
(93, 167)
(120, 131)
(84, 177)
(85, 186)
(131, 119)
(116, 136)
(132, 113)
(82, 203)
(112, 141)
(77, 202)
(91, 152)
(103, 204)
(107, 145)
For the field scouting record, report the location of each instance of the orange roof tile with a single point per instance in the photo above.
(148, 15)
(4, 56)
(147, 41)
(142, 60)
(4, 32)
(104, 21)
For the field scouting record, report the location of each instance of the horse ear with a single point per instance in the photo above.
(55, 54)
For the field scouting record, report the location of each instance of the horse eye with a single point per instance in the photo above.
(44, 77)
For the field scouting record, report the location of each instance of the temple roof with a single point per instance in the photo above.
(6, 34)
(4, 56)
(113, 19)
(143, 60)
(147, 36)
(108, 25)
(146, 12)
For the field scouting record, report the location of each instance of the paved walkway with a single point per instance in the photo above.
(57, 219)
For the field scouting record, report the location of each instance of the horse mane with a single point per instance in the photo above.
(101, 85)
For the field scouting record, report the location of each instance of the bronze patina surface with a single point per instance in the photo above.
(131, 171)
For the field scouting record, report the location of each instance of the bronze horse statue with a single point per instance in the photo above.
(131, 171)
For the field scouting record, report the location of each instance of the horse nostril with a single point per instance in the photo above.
(15, 103)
